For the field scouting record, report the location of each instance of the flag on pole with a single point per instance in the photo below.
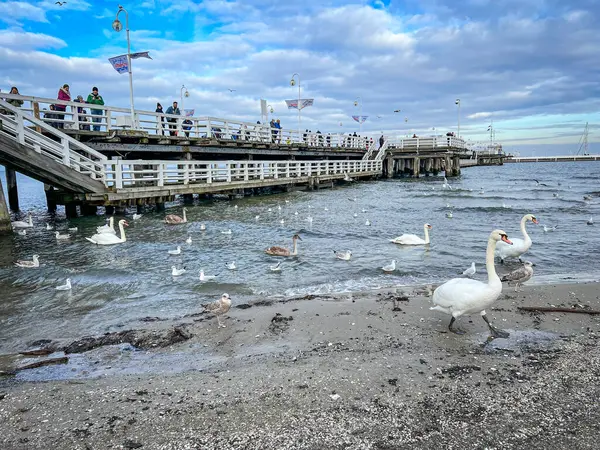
(189, 112)
(120, 63)
(263, 107)
(304, 102)
(360, 119)
(139, 55)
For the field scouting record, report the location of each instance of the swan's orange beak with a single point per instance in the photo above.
(505, 239)
(126, 224)
(429, 227)
(534, 220)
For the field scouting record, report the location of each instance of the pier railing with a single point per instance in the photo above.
(426, 143)
(78, 116)
(50, 142)
(143, 173)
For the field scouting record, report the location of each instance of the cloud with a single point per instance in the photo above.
(12, 12)
(25, 40)
(480, 115)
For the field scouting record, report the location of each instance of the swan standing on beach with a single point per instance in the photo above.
(23, 224)
(173, 219)
(107, 228)
(519, 246)
(470, 271)
(413, 239)
(460, 296)
(29, 264)
(219, 308)
(110, 239)
(282, 251)
(520, 275)
(64, 287)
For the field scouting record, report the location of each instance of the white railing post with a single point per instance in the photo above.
(246, 177)
(118, 174)
(209, 175)
(108, 120)
(229, 164)
(186, 173)
(161, 174)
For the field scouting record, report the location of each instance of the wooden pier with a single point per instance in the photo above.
(159, 160)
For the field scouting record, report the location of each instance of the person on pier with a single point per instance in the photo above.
(172, 120)
(65, 95)
(160, 119)
(96, 99)
(15, 102)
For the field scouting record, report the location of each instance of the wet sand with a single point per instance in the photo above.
(343, 372)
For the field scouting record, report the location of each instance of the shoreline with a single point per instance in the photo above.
(347, 371)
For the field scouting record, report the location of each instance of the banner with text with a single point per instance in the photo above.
(360, 119)
(120, 63)
(189, 112)
(304, 102)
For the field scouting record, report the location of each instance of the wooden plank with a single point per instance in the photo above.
(44, 169)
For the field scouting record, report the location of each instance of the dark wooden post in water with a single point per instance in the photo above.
(71, 210)
(13, 193)
(5, 227)
(50, 198)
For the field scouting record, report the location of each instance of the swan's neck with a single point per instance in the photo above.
(489, 263)
(111, 222)
(122, 230)
(426, 235)
(524, 230)
(295, 247)
(30, 221)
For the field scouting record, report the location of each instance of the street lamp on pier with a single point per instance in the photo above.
(118, 26)
(293, 83)
(269, 110)
(182, 95)
(457, 102)
(358, 101)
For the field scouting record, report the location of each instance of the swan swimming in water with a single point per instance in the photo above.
(107, 228)
(519, 246)
(413, 239)
(282, 251)
(62, 237)
(520, 275)
(173, 219)
(108, 238)
(463, 296)
(23, 224)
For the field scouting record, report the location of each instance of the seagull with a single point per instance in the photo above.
(72, 229)
(368, 223)
(188, 240)
(206, 277)
(481, 192)
(219, 308)
(65, 287)
(548, 229)
(470, 271)
(354, 215)
(202, 227)
(390, 267)
(48, 227)
(296, 213)
(326, 209)
(540, 184)
(176, 272)
(276, 267)
(345, 256)
(231, 90)
(505, 206)
(555, 195)
(29, 264)
(279, 207)
(231, 265)
(62, 237)
(587, 197)
(590, 221)
(309, 219)
(282, 221)
(352, 199)
(449, 215)
(235, 206)
(520, 275)
(364, 210)
(347, 177)
(446, 185)
(177, 251)
(226, 231)
(60, 3)
(22, 232)
(256, 217)
(137, 216)
(269, 210)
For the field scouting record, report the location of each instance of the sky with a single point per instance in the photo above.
(530, 66)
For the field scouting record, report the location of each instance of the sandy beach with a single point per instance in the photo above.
(374, 370)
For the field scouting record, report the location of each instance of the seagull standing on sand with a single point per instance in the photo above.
(65, 287)
(470, 271)
(219, 308)
(520, 275)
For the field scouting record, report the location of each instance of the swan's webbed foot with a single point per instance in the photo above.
(455, 330)
(495, 332)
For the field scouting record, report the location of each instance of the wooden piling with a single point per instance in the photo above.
(71, 210)
(11, 187)
(109, 210)
(5, 227)
(50, 198)
(89, 210)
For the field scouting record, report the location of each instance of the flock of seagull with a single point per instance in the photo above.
(456, 297)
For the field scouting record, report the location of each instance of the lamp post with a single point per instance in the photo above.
(358, 101)
(118, 26)
(269, 110)
(457, 102)
(293, 83)
(182, 95)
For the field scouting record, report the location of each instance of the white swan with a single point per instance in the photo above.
(137, 216)
(23, 224)
(413, 239)
(460, 296)
(177, 272)
(108, 238)
(107, 228)
(177, 251)
(519, 246)
(470, 271)
(173, 219)
(62, 237)
(65, 287)
(204, 277)
(48, 227)
(22, 232)
(390, 267)
(29, 264)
